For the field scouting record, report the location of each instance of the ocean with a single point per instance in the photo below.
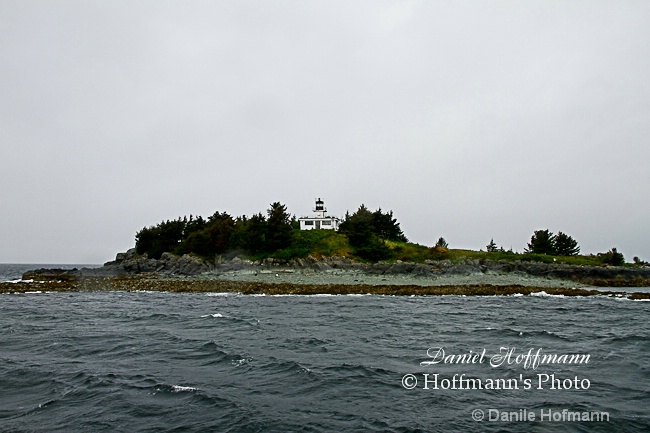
(15, 271)
(197, 362)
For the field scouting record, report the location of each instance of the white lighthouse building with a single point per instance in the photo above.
(319, 220)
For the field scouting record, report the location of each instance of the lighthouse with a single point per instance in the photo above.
(320, 209)
(319, 220)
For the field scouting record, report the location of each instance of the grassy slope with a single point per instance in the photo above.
(325, 243)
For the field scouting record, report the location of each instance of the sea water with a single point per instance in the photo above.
(15, 271)
(152, 362)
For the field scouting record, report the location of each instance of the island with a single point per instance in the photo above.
(364, 253)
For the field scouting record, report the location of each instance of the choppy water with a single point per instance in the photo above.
(151, 362)
(14, 271)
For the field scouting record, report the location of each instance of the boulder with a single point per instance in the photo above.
(422, 270)
(190, 265)
(140, 264)
(400, 267)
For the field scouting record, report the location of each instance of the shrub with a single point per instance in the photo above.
(612, 257)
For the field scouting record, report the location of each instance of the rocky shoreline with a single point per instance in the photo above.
(336, 275)
(338, 269)
(309, 284)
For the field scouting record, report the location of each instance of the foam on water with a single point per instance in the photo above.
(543, 294)
(179, 388)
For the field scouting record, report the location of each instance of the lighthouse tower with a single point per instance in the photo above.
(319, 220)
(320, 209)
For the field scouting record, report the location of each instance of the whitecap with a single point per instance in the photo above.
(215, 315)
(240, 362)
(543, 294)
(179, 388)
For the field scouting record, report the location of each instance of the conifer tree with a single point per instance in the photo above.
(442, 243)
(565, 245)
(542, 242)
(278, 227)
(492, 247)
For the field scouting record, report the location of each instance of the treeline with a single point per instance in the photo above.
(218, 234)
(264, 235)
(561, 244)
(369, 235)
(544, 242)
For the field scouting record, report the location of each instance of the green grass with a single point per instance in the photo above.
(317, 243)
(409, 252)
(327, 243)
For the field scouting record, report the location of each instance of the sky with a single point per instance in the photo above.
(470, 120)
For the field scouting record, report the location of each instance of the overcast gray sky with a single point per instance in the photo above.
(470, 120)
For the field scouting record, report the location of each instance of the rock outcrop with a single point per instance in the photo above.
(169, 264)
(56, 274)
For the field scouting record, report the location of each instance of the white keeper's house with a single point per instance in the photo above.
(319, 220)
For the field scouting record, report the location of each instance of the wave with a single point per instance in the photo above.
(543, 294)
(175, 388)
(278, 367)
(215, 315)
(133, 362)
(223, 294)
(229, 320)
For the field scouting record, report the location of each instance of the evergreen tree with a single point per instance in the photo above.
(361, 232)
(542, 242)
(197, 242)
(565, 245)
(359, 227)
(492, 247)
(278, 226)
(252, 233)
(387, 227)
(545, 242)
(144, 240)
(156, 240)
(442, 243)
(219, 228)
(195, 224)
